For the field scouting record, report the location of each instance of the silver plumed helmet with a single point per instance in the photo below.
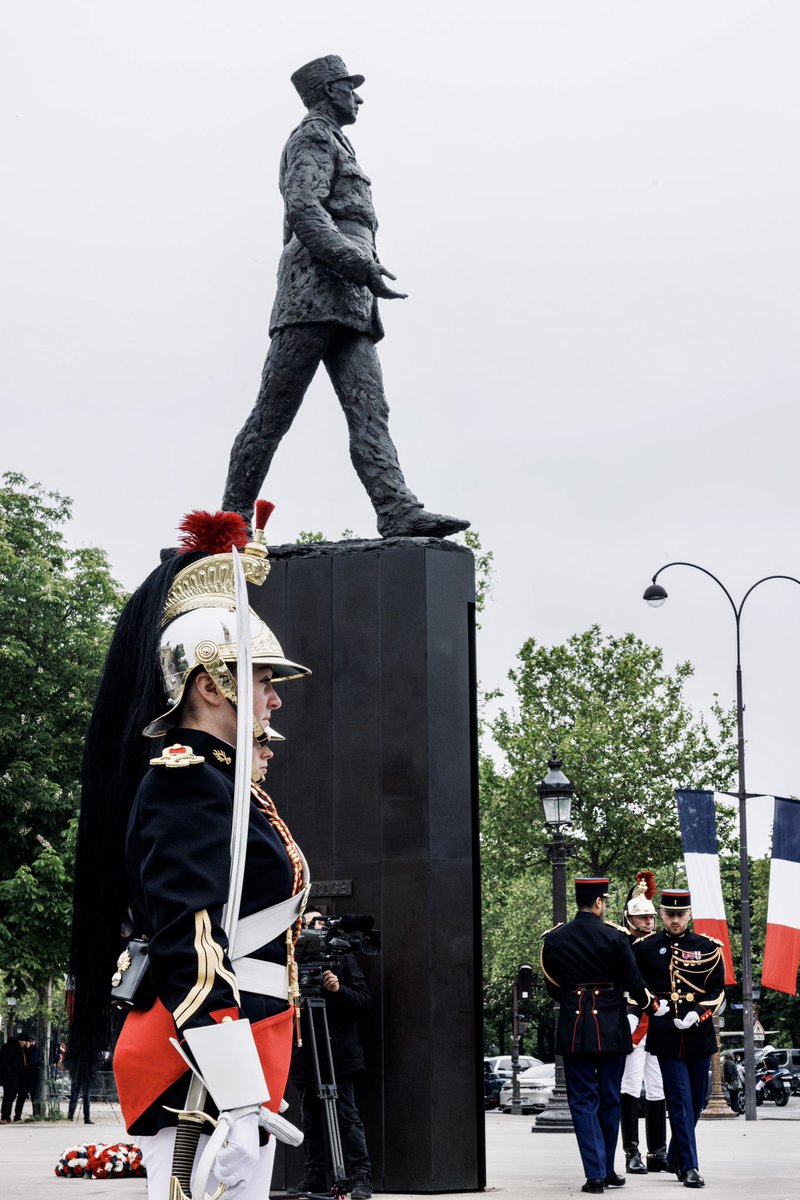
(199, 624)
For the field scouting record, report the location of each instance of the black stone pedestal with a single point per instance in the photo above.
(378, 782)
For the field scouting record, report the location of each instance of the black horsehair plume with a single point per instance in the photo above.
(115, 758)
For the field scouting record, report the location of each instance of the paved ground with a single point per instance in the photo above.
(746, 1159)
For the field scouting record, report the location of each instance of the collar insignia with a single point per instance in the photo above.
(222, 757)
(177, 756)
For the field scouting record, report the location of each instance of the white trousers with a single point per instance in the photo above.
(639, 1065)
(157, 1154)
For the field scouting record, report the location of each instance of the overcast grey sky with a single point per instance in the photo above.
(594, 209)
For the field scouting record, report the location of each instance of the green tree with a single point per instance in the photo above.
(618, 720)
(57, 609)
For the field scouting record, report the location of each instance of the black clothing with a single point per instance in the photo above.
(688, 973)
(354, 1143)
(342, 1009)
(177, 859)
(588, 964)
(12, 1078)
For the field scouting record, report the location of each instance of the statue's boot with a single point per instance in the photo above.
(417, 522)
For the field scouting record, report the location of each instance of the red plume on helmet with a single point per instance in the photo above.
(264, 510)
(648, 878)
(212, 533)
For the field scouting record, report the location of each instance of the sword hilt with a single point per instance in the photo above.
(187, 1136)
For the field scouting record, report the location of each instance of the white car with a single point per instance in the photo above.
(501, 1064)
(535, 1088)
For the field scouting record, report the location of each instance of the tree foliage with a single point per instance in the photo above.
(617, 719)
(57, 608)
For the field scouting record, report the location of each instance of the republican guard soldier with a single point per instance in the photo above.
(589, 968)
(182, 854)
(686, 971)
(641, 1067)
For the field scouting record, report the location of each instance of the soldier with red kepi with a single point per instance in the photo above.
(589, 969)
(640, 1067)
(182, 854)
(686, 971)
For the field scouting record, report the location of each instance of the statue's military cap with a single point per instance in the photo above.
(327, 69)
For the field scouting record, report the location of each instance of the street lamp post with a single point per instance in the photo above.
(556, 793)
(655, 595)
(521, 991)
(11, 1001)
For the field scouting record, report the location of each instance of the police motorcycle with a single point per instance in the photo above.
(773, 1083)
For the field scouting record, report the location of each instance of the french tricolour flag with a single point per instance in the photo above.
(698, 818)
(782, 947)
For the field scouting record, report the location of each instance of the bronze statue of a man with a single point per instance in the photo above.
(326, 310)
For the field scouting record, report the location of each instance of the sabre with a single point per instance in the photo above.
(191, 1121)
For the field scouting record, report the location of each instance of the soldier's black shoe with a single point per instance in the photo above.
(417, 522)
(693, 1178)
(595, 1186)
(362, 1185)
(614, 1180)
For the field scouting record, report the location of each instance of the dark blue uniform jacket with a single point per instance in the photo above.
(588, 967)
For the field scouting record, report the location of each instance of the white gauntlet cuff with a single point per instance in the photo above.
(228, 1061)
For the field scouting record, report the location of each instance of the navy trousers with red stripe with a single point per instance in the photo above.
(593, 1093)
(686, 1087)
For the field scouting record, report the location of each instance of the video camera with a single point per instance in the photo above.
(320, 950)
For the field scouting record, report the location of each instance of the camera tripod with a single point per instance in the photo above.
(315, 1027)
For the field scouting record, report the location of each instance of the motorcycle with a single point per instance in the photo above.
(773, 1085)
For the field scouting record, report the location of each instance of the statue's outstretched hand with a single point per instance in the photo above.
(374, 282)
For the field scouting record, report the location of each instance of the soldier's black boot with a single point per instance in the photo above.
(629, 1125)
(655, 1123)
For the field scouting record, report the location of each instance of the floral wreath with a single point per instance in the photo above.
(122, 1160)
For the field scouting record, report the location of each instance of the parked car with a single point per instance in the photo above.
(492, 1083)
(535, 1088)
(501, 1064)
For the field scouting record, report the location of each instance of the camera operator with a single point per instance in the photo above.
(346, 996)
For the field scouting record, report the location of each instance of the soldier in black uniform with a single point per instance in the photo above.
(589, 968)
(154, 863)
(686, 971)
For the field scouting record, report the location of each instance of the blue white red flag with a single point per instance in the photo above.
(782, 947)
(698, 818)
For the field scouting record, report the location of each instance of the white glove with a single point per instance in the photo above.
(662, 1010)
(238, 1157)
(688, 1021)
(633, 1022)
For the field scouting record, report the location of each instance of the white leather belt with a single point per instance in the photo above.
(261, 978)
(262, 927)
